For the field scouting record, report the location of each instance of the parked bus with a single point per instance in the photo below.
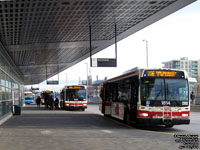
(73, 97)
(29, 97)
(147, 96)
(45, 96)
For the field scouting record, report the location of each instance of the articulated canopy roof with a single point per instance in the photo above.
(52, 35)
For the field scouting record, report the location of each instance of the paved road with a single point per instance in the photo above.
(193, 128)
(42, 129)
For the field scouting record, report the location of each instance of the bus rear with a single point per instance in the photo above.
(164, 98)
(45, 96)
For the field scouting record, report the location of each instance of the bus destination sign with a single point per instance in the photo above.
(48, 92)
(75, 87)
(163, 73)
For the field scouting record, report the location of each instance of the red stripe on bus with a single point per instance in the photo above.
(160, 114)
(108, 103)
(76, 104)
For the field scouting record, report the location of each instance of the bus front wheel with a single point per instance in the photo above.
(169, 125)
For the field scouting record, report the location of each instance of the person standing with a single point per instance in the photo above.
(192, 97)
(56, 103)
(38, 101)
(51, 102)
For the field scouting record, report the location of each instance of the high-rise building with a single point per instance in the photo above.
(192, 67)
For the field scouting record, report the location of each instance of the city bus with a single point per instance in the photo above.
(29, 97)
(45, 96)
(73, 97)
(147, 96)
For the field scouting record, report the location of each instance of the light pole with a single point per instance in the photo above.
(146, 50)
(87, 80)
(66, 78)
(87, 72)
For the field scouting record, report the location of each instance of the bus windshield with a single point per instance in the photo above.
(176, 89)
(47, 95)
(28, 97)
(76, 94)
(164, 89)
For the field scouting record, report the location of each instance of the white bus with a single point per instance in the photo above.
(73, 97)
(147, 96)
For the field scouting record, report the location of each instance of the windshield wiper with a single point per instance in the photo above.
(161, 89)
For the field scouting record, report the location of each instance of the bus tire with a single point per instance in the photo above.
(169, 126)
(83, 109)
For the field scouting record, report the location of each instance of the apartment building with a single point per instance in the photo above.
(191, 66)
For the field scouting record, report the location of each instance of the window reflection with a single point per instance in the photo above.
(164, 89)
(176, 89)
(153, 89)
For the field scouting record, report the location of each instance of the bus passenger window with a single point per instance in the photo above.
(124, 92)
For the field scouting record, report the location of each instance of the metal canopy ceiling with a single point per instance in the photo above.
(54, 34)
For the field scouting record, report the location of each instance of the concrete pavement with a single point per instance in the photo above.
(44, 129)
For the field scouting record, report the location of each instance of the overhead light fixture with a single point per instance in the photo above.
(65, 3)
(152, 2)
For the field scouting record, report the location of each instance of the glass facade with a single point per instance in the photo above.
(11, 84)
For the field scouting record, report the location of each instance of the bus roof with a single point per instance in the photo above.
(139, 71)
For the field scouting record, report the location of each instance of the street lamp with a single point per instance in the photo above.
(87, 72)
(87, 80)
(146, 50)
(66, 78)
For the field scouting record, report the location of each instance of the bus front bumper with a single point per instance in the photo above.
(28, 101)
(75, 107)
(174, 121)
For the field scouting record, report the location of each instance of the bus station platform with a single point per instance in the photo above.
(45, 129)
(40, 129)
(195, 107)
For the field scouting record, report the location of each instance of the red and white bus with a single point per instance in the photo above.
(147, 96)
(73, 97)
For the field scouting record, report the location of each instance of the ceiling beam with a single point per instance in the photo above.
(58, 45)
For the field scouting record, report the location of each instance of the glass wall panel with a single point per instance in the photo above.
(1, 113)
(11, 79)
(1, 93)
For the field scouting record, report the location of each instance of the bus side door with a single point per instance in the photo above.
(134, 98)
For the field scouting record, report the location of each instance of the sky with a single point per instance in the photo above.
(173, 37)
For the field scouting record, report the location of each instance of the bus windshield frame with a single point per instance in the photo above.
(28, 97)
(76, 94)
(174, 91)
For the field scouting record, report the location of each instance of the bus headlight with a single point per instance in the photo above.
(144, 114)
(184, 115)
(67, 104)
(84, 104)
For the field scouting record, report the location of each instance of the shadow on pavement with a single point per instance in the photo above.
(33, 117)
